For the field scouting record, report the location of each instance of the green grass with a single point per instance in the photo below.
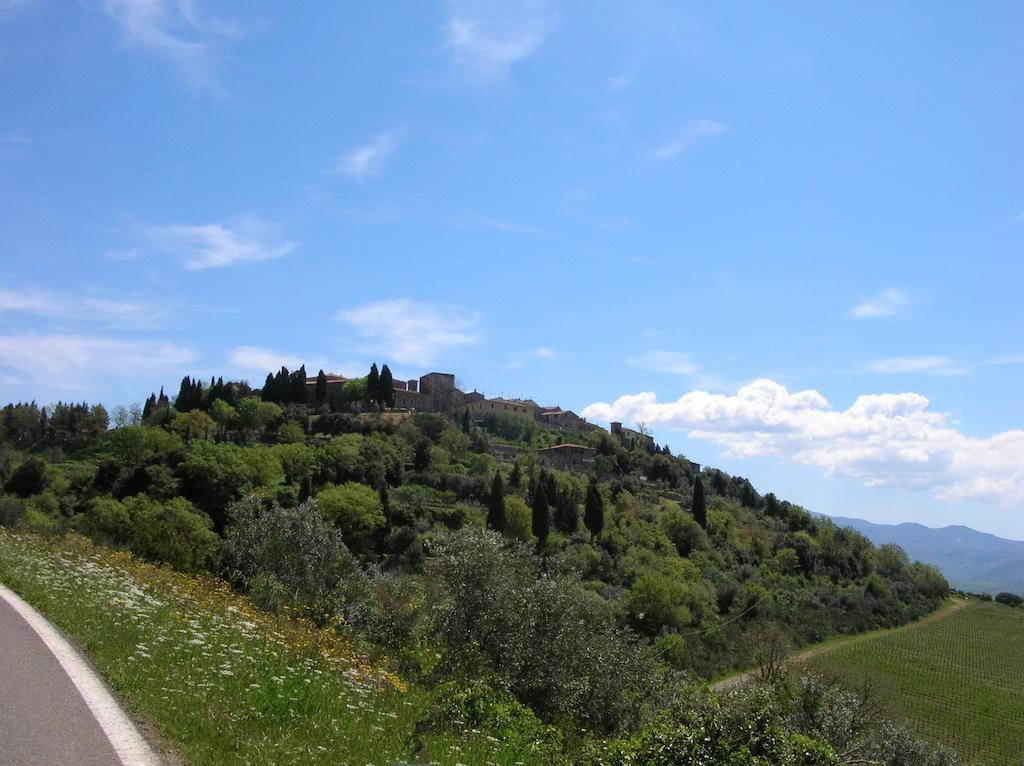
(222, 682)
(958, 679)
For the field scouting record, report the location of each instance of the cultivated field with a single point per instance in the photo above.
(958, 680)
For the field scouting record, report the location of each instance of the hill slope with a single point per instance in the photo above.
(972, 561)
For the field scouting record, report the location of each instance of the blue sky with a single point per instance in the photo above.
(788, 238)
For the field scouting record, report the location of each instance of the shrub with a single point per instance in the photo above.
(105, 521)
(355, 510)
(12, 510)
(554, 642)
(1010, 599)
(296, 547)
(29, 478)
(172, 533)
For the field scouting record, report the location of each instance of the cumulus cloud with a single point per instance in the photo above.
(175, 30)
(881, 439)
(487, 38)
(692, 133)
(664, 361)
(93, 308)
(367, 160)
(410, 332)
(887, 303)
(213, 245)
(68, 363)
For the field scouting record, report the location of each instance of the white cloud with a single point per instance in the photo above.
(68, 363)
(543, 353)
(367, 160)
(175, 30)
(693, 132)
(129, 313)
(619, 81)
(931, 365)
(262, 360)
(487, 38)
(17, 139)
(887, 303)
(409, 332)
(476, 221)
(213, 245)
(664, 361)
(881, 440)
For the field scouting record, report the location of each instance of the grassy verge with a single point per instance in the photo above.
(224, 682)
(957, 680)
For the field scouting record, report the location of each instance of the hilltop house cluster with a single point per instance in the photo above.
(437, 392)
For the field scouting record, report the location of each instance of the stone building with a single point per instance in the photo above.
(570, 457)
(628, 433)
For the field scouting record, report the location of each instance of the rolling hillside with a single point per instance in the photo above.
(972, 561)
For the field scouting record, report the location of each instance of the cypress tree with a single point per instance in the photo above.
(373, 384)
(593, 513)
(699, 510)
(150, 405)
(183, 401)
(321, 388)
(515, 479)
(541, 520)
(297, 386)
(386, 388)
(496, 505)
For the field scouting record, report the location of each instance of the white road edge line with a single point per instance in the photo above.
(131, 748)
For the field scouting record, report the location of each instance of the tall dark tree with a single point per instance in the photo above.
(321, 388)
(515, 479)
(496, 505)
(297, 389)
(386, 388)
(593, 512)
(699, 509)
(373, 384)
(150, 405)
(465, 422)
(541, 519)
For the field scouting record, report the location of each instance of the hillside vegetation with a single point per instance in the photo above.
(957, 680)
(460, 560)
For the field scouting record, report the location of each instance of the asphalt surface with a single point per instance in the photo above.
(43, 719)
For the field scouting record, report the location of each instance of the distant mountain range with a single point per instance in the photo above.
(972, 561)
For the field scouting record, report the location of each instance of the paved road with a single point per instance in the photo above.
(44, 720)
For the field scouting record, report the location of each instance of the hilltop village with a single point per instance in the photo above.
(437, 392)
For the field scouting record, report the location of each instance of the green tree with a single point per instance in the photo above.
(224, 415)
(355, 509)
(541, 518)
(386, 388)
(496, 505)
(593, 512)
(172, 533)
(321, 388)
(373, 385)
(698, 507)
(193, 424)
